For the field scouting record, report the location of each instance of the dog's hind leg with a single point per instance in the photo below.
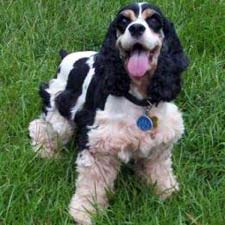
(51, 130)
(49, 133)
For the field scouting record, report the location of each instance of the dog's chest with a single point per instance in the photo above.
(115, 129)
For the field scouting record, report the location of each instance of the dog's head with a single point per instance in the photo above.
(139, 39)
(142, 43)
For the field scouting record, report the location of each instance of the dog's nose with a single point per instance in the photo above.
(136, 30)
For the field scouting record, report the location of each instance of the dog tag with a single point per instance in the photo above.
(144, 123)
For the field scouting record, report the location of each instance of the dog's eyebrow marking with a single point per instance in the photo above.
(147, 13)
(129, 14)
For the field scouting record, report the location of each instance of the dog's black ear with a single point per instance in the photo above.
(116, 81)
(109, 42)
(166, 82)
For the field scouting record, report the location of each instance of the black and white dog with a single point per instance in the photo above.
(118, 103)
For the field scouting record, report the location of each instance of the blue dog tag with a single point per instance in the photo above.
(144, 123)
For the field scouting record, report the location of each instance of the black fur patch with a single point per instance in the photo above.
(166, 82)
(95, 99)
(45, 96)
(116, 79)
(67, 99)
(83, 119)
(77, 75)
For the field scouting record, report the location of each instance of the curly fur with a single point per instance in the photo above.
(116, 81)
(88, 97)
(166, 82)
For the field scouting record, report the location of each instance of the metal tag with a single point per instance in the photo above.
(144, 123)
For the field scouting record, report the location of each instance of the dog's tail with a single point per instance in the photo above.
(63, 53)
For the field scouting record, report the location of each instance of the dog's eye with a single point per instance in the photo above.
(125, 20)
(123, 23)
(155, 22)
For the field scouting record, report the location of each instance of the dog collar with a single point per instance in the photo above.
(144, 102)
(145, 122)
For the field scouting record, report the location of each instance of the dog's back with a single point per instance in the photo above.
(73, 68)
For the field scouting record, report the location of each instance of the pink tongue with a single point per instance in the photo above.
(138, 64)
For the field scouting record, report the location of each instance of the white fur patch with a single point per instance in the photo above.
(125, 156)
(49, 132)
(84, 159)
(81, 100)
(117, 131)
(43, 138)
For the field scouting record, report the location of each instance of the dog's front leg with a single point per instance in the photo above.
(158, 170)
(96, 176)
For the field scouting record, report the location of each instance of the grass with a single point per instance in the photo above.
(36, 191)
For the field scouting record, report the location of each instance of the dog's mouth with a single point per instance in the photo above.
(139, 60)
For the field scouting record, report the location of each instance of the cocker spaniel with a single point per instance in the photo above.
(118, 103)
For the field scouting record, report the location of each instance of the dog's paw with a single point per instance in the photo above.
(80, 216)
(165, 192)
(43, 138)
(81, 209)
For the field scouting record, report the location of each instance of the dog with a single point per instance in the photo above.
(118, 103)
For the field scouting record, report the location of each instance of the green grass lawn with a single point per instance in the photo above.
(36, 191)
